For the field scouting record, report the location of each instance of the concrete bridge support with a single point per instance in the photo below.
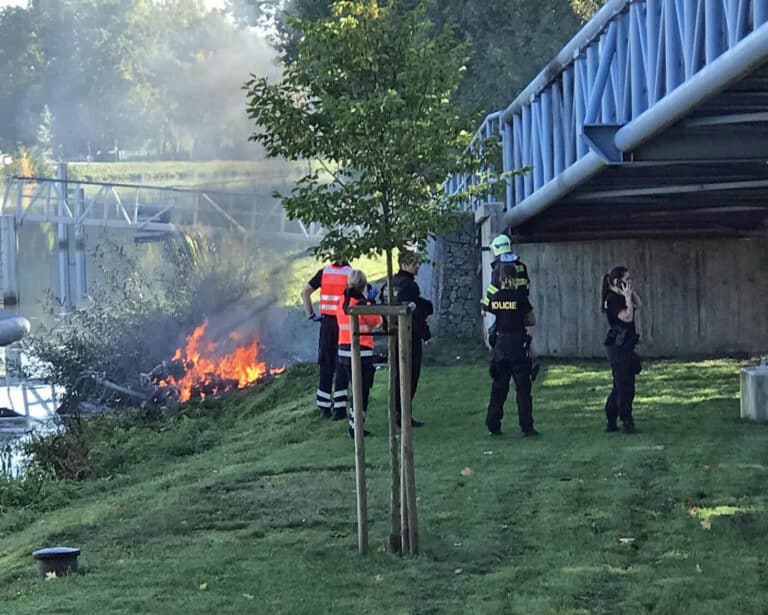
(701, 296)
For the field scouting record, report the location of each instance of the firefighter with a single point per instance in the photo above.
(619, 303)
(510, 357)
(407, 291)
(501, 248)
(357, 293)
(331, 280)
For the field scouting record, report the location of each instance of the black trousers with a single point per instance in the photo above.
(619, 402)
(416, 356)
(501, 372)
(330, 399)
(369, 371)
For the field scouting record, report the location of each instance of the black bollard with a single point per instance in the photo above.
(59, 560)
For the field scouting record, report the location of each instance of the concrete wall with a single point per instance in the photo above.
(701, 296)
(452, 282)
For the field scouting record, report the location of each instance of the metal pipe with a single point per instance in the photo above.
(606, 59)
(573, 176)
(591, 30)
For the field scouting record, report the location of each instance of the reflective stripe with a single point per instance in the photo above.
(323, 404)
(323, 394)
(363, 353)
(340, 404)
(492, 289)
(333, 298)
(331, 270)
(328, 306)
(340, 393)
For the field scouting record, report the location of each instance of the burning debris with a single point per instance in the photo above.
(221, 355)
(205, 367)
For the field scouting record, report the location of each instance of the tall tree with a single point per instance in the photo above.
(509, 40)
(372, 97)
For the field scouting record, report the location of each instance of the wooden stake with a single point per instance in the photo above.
(357, 405)
(406, 436)
(394, 453)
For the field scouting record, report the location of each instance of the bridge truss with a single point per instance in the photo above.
(653, 119)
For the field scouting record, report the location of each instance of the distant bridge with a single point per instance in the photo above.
(653, 120)
(147, 208)
(152, 212)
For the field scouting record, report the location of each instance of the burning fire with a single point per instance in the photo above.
(209, 370)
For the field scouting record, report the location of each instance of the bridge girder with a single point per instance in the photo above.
(654, 93)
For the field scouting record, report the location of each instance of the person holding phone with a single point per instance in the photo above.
(619, 303)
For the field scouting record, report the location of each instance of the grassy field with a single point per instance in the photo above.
(247, 506)
(181, 174)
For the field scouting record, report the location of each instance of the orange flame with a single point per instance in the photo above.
(208, 368)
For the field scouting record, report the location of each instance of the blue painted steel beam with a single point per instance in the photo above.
(749, 54)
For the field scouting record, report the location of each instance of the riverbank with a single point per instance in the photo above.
(247, 505)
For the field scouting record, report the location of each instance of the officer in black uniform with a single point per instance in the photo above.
(510, 357)
(407, 291)
(619, 303)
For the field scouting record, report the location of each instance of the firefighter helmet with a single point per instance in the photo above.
(501, 245)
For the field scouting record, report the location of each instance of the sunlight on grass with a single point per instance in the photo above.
(576, 521)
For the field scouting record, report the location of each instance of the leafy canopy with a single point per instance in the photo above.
(372, 97)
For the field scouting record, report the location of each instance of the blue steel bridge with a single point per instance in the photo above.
(652, 120)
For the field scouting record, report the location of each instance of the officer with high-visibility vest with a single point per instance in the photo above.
(357, 293)
(332, 281)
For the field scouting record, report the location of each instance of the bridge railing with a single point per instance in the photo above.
(491, 126)
(146, 208)
(636, 67)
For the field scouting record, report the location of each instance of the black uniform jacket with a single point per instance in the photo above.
(620, 333)
(510, 306)
(407, 291)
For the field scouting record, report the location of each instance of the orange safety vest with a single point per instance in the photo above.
(367, 325)
(332, 285)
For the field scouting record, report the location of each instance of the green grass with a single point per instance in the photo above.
(254, 497)
(267, 172)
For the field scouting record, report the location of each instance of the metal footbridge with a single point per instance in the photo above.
(652, 120)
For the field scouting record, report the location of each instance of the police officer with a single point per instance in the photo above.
(357, 293)
(619, 303)
(510, 358)
(331, 280)
(407, 291)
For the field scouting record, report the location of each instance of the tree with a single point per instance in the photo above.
(372, 97)
(509, 41)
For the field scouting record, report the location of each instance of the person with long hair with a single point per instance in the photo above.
(358, 292)
(619, 302)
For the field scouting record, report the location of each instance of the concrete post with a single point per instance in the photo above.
(62, 237)
(754, 393)
(8, 251)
